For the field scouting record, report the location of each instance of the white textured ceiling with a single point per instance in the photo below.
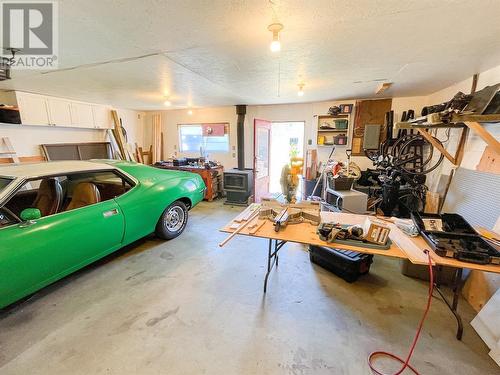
(208, 53)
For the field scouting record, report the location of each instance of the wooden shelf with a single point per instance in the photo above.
(329, 134)
(332, 130)
(411, 125)
(458, 121)
(340, 115)
(330, 145)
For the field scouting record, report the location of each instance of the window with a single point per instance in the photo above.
(4, 182)
(53, 195)
(204, 138)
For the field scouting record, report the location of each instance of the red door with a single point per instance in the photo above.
(262, 145)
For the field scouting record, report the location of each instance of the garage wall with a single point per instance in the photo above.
(306, 112)
(26, 140)
(475, 146)
(171, 119)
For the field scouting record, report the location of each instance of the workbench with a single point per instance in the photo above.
(402, 247)
(211, 176)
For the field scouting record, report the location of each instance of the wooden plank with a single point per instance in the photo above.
(431, 202)
(412, 125)
(485, 135)
(455, 118)
(24, 159)
(259, 224)
(490, 161)
(475, 78)
(437, 145)
(10, 153)
(459, 155)
(117, 132)
(157, 142)
(239, 229)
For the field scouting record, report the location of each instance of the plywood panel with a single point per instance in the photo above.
(490, 161)
(369, 112)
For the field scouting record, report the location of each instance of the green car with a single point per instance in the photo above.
(57, 217)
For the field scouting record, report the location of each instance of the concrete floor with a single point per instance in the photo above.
(188, 307)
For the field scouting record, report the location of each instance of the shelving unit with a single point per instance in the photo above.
(458, 121)
(326, 136)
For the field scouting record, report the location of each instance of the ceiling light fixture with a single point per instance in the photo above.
(301, 89)
(190, 112)
(167, 103)
(275, 28)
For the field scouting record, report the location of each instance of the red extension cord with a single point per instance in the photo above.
(406, 363)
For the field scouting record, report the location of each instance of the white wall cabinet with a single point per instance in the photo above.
(59, 111)
(81, 115)
(42, 110)
(33, 109)
(102, 116)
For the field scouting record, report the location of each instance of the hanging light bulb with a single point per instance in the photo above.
(301, 89)
(275, 28)
(190, 112)
(167, 103)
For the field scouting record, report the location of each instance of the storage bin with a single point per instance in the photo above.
(340, 124)
(341, 183)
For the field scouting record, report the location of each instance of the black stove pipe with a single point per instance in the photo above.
(241, 111)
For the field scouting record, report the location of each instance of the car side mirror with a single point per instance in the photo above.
(30, 214)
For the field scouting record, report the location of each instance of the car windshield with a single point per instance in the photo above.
(4, 182)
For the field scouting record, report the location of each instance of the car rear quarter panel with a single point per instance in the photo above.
(144, 204)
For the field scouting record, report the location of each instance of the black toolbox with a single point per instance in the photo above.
(451, 236)
(346, 264)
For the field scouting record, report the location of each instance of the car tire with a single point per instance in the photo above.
(172, 221)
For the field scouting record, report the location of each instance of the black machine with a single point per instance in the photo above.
(179, 162)
(451, 236)
(401, 168)
(9, 115)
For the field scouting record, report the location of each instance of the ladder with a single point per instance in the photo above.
(10, 152)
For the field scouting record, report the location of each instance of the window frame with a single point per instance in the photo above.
(23, 181)
(200, 124)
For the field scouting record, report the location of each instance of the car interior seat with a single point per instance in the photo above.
(84, 194)
(49, 197)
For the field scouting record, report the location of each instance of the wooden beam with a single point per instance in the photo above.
(485, 135)
(459, 155)
(437, 145)
(475, 78)
(23, 159)
(117, 132)
(476, 118)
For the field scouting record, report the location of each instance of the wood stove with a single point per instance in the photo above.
(238, 185)
(238, 182)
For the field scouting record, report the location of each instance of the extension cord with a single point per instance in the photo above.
(406, 363)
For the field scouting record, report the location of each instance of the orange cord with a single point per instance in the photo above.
(406, 363)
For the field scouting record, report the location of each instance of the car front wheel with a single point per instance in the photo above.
(173, 221)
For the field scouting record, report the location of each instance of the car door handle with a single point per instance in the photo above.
(109, 213)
